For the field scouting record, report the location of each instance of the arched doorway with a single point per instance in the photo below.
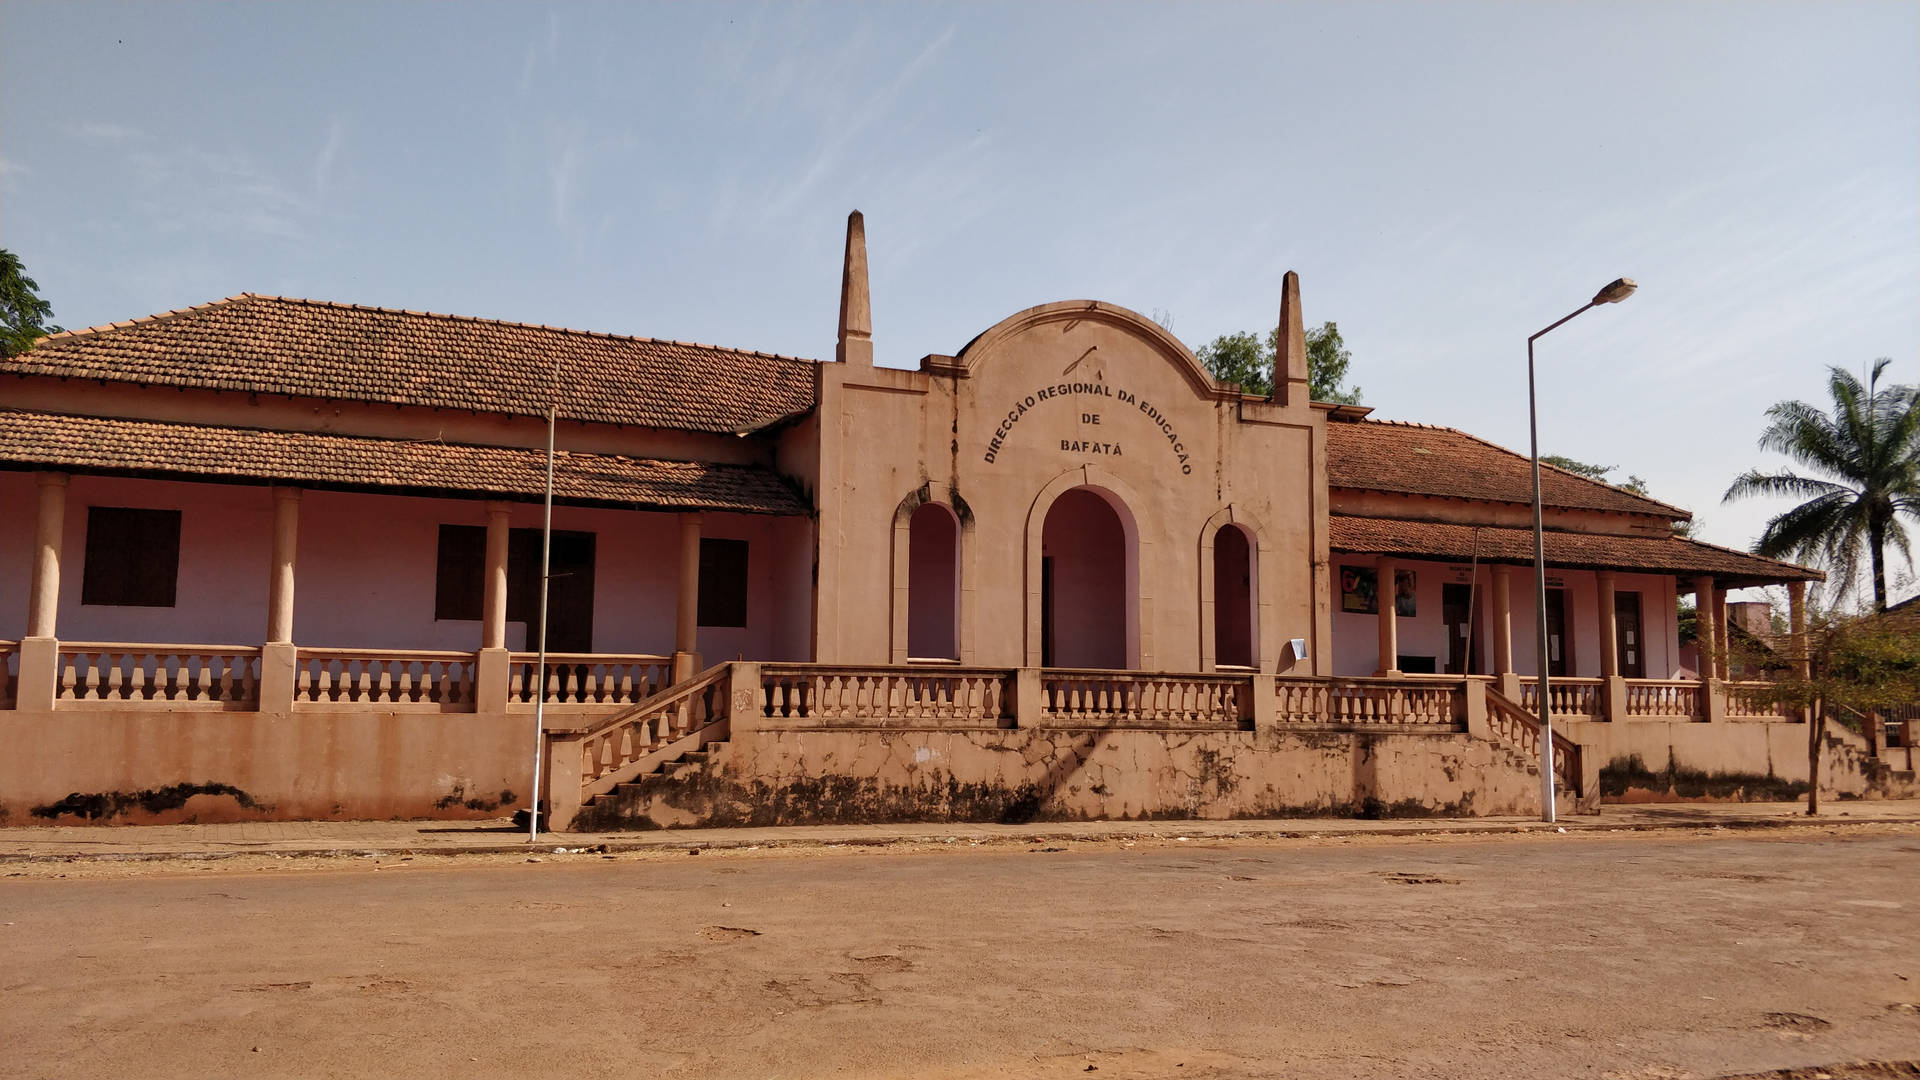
(1234, 588)
(1087, 579)
(933, 584)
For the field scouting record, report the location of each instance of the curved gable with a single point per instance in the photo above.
(1070, 314)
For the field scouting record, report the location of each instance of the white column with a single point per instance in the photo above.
(43, 600)
(39, 677)
(1609, 632)
(286, 540)
(1387, 617)
(493, 610)
(686, 650)
(493, 667)
(1506, 680)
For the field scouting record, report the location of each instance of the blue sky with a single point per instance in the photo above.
(1446, 177)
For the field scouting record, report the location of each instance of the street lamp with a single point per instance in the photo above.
(1613, 293)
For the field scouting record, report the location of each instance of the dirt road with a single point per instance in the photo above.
(1602, 955)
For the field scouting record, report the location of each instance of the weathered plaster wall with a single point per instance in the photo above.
(1735, 760)
(137, 766)
(802, 777)
(993, 432)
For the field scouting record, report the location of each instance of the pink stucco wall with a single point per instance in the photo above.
(1356, 637)
(365, 571)
(225, 546)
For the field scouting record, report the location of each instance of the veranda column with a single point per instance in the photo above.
(1387, 616)
(1706, 642)
(1614, 688)
(1797, 627)
(1507, 682)
(686, 652)
(279, 660)
(493, 668)
(1723, 662)
(40, 650)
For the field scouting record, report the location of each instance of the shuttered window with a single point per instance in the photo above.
(133, 557)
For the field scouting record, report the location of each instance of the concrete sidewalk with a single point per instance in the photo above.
(319, 838)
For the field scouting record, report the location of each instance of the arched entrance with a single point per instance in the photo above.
(1088, 578)
(1234, 588)
(933, 584)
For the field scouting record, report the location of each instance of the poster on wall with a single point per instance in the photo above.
(1358, 588)
(1360, 591)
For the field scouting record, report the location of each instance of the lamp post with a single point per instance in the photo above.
(1613, 293)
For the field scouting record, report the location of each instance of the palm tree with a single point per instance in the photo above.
(1869, 448)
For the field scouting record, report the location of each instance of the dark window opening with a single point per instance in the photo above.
(133, 557)
(460, 582)
(723, 582)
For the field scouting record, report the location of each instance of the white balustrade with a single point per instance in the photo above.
(1427, 702)
(884, 696)
(1663, 698)
(590, 678)
(395, 677)
(1118, 699)
(199, 674)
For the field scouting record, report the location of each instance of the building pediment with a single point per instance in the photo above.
(1088, 340)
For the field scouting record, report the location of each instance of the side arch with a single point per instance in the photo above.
(1140, 551)
(1266, 577)
(900, 614)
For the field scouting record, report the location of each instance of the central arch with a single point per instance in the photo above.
(1085, 603)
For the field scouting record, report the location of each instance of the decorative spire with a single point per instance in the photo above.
(856, 309)
(1290, 385)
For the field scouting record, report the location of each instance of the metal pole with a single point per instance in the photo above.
(540, 666)
(1540, 590)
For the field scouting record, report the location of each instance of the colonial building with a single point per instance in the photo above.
(277, 557)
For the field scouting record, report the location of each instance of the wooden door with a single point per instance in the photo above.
(1559, 646)
(1629, 642)
(1463, 645)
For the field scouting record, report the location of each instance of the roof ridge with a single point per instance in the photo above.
(155, 317)
(1678, 511)
(517, 324)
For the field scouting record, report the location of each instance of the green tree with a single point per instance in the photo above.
(1868, 450)
(1247, 359)
(1632, 483)
(1856, 666)
(23, 315)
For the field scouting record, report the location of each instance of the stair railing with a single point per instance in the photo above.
(610, 748)
(1518, 730)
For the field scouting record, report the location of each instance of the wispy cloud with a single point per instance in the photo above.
(105, 132)
(190, 189)
(329, 154)
(827, 154)
(537, 49)
(563, 175)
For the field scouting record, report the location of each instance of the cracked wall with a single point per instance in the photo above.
(863, 776)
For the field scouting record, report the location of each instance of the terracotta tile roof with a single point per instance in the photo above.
(306, 348)
(91, 444)
(1415, 459)
(1653, 554)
